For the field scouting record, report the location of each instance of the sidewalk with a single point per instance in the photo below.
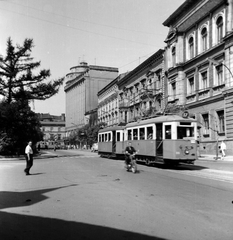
(22, 157)
(47, 154)
(209, 157)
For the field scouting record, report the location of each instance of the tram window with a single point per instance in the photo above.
(105, 137)
(99, 138)
(142, 133)
(129, 134)
(168, 132)
(109, 136)
(118, 136)
(149, 132)
(184, 132)
(135, 134)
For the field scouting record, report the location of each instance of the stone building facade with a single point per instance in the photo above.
(82, 85)
(108, 106)
(198, 67)
(53, 127)
(141, 91)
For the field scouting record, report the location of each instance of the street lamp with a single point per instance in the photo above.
(216, 63)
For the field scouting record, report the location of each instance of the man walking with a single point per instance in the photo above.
(223, 149)
(29, 158)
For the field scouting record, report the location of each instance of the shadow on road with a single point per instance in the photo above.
(15, 226)
(19, 199)
(26, 227)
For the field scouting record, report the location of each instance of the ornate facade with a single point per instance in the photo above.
(199, 63)
(108, 106)
(141, 91)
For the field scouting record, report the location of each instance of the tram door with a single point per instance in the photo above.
(159, 139)
(113, 141)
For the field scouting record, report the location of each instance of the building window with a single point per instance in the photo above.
(173, 87)
(143, 84)
(204, 80)
(191, 47)
(221, 121)
(159, 103)
(173, 56)
(206, 125)
(219, 24)
(136, 88)
(190, 85)
(204, 39)
(149, 84)
(158, 82)
(219, 75)
(58, 136)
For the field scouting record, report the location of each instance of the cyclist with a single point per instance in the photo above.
(129, 153)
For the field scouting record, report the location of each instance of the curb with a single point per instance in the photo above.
(213, 158)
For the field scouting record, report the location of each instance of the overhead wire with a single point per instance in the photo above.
(79, 29)
(89, 22)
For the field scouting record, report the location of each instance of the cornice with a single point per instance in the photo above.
(158, 56)
(210, 100)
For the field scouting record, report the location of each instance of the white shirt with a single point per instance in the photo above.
(223, 146)
(28, 149)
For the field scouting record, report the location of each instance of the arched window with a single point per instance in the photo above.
(173, 56)
(191, 47)
(204, 39)
(219, 24)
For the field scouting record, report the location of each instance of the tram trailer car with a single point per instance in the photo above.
(111, 142)
(169, 139)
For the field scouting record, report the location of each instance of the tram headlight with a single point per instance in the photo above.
(186, 151)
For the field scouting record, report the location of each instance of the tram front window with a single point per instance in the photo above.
(168, 132)
(185, 132)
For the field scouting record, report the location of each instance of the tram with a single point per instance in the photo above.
(169, 139)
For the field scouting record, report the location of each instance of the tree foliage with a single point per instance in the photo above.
(86, 135)
(20, 77)
(21, 80)
(18, 125)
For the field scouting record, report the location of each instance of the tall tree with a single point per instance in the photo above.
(18, 125)
(18, 80)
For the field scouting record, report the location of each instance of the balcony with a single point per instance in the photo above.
(124, 104)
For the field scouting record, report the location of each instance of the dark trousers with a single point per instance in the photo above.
(29, 163)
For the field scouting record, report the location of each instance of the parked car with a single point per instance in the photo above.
(94, 147)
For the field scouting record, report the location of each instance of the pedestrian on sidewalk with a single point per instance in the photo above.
(29, 158)
(223, 148)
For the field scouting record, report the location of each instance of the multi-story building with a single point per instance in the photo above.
(82, 85)
(199, 63)
(108, 111)
(141, 91)
(53, 127)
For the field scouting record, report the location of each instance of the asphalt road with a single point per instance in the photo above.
(87, 197)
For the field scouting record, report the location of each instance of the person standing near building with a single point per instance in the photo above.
(223, 149)
(29, 157)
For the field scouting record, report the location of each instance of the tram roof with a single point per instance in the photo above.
(161, 119)
(112, 128)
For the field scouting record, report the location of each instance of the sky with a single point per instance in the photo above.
(111, 33)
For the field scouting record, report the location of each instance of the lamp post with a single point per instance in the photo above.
(216, 63)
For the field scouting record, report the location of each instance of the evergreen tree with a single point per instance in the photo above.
(18, 125)
(17, 78)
